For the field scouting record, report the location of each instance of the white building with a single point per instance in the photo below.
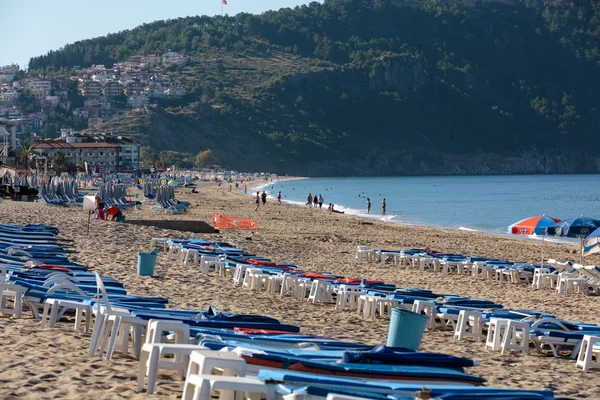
(10, 95)
(137, 101)
(14, 113)
(39, 84)
(172, 57)
(52, 101)
(129, 154)
(10, 69)
(156, 92)
(176, 92)
(5, 77)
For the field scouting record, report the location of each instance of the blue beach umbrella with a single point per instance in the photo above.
(574, 227)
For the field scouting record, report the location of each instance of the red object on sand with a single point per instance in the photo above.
(223, 222)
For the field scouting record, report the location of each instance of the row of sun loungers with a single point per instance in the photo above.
(472, 319)
(62, 200)
(562, 276)
(217, 350)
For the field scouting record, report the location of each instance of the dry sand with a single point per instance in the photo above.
(53, 363)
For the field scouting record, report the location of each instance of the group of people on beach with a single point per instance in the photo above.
(110, 213)
(383, 206)
(317, 201)
(262, 198)
(314, 202)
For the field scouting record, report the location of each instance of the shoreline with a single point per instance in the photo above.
(390, 218)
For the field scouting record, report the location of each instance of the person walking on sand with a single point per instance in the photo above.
(316, 201)
(368, 205)
(279, 198)
(309, 200)
(320, 202)
(383, 206)
(257, 201)
(263, 196)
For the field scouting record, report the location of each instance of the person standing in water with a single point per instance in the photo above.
(320, 201)
(383, 206)
(309, 200)
(368, 205)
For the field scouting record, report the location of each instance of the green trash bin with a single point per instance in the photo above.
(146, 263)
(406, 329)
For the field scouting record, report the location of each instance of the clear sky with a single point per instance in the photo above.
(30, 28)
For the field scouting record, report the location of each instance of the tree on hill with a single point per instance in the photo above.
(205, 159)
(148, 156)
(25, 153)
(372, 86)
(163, 158)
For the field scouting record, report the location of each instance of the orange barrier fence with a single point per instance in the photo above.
(222, 222)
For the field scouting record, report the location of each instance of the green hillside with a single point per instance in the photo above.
(375, 86)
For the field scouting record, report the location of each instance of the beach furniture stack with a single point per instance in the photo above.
(229, 352)
(476, 320)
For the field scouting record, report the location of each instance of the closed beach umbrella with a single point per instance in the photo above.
(574, 227)
(533, 226)
(591, 244)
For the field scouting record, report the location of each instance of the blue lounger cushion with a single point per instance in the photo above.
(217, 323)
(438, 391)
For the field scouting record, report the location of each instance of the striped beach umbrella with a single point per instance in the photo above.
(533, 225)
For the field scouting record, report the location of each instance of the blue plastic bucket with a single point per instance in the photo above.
(146, 263)
(406, 329)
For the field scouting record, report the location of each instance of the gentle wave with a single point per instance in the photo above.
(265, 185)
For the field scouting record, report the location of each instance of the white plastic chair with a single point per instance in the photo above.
(469, 325)
(516, 337)
(203, 363)
(15, 292)
(319, 292)
(428, 307)
(496, 332)
(289, 284)
(108, 317)
(589, 353)
(152, 350)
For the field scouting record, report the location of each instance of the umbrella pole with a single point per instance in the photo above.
(581, 250)
(543, 244)
(88, 224)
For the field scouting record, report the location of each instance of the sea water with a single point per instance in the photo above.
(478, 203)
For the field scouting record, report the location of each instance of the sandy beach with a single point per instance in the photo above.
(54, 363)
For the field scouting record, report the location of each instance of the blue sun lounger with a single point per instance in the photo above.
(327, 384)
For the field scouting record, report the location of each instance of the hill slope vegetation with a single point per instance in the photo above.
(354, 87)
